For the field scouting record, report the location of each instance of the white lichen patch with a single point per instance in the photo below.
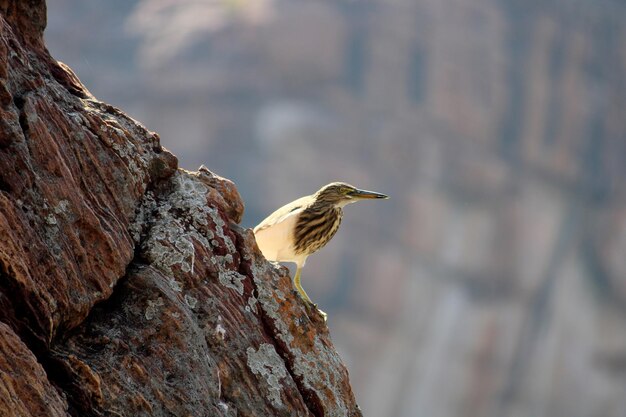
(127, 151)
(268, 299)
(304, 363)
(79, 119)
(220, 331)
(142, 217)
(61, 208)
(251, 305)
(185, 245)
(232, 279)
(179, 250)
(190, 194)
(153, 308)
(193, 223)
(51, 220)
(175, 285)
(219, 229)
(316, 378)
(269, 367)
(191, 301)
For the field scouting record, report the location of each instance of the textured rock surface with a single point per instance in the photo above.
(24, 388)
(126, 287)
(492, 284)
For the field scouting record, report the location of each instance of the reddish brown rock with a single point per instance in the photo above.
(203, 322)
(27, 17)
(126, 279)
(24, 388)
(72, 172)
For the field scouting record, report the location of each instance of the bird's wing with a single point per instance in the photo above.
(283, 213)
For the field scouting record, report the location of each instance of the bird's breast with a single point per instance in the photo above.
(315, 228)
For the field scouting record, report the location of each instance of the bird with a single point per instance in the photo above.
(300, 228)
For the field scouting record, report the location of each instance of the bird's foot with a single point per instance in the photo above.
(322, 313)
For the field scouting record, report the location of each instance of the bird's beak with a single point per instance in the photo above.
(362, 194)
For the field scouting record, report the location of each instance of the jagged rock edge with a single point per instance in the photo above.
(308, 396)
(59, 373)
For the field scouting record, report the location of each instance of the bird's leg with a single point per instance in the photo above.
(303, 294)
(296, 281)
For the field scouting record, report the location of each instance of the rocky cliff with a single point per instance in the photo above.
(126, 286)
(492, 283)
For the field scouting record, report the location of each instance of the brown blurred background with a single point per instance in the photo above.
(493, 282)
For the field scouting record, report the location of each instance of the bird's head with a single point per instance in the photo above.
(339, 194)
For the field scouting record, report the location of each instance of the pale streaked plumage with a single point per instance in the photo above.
(302, 227)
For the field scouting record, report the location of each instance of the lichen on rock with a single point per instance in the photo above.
(126, 286)
(269, 366)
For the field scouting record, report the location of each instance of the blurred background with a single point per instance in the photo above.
(493, 282)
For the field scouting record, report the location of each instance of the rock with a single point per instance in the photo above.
(226, 193)
(126, 287)
(27, 18)
(470, 292)
(73, 172)
(24, 387)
